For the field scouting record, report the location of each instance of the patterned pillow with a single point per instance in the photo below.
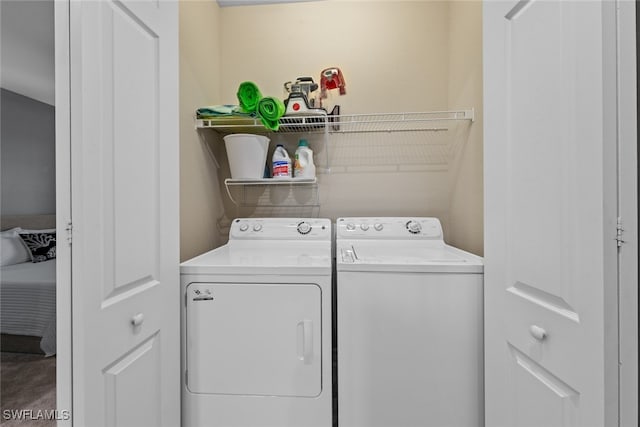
(42, 246)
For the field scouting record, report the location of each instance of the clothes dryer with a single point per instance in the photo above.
(409, 320)
(256, 327)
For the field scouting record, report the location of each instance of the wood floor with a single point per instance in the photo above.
(28, 384)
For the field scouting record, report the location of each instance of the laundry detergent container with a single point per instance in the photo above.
(247, 155)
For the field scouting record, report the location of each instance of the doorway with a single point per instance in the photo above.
(28, 206)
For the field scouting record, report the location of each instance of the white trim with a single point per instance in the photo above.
(610, 213)
(628, 211)
(63, 214)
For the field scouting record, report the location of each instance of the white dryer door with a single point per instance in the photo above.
(254, 339)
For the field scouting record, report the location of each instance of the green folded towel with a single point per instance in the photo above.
(248, 96)
(220, 110)
(270, 110)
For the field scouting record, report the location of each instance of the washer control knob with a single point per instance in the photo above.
(257, 227)
(378, 227)
(364, 227)
(414, 227)
(244, 227)
(304, 228)
(351, 227)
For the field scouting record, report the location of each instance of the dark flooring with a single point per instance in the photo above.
(28, 384)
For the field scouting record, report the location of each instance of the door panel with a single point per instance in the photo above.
(136, 373)
(124, 149)
(535, 114)
(539, 95)
(543, 399)
(254, 339)
(130, 151)
(133, 46)
(546, 185)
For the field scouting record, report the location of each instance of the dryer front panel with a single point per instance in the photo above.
(254, 339)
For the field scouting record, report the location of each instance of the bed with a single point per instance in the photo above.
(28, 288)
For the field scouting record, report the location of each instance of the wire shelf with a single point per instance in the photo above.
(239, 124)
(435, 121)
(358, 143)
(273, 192)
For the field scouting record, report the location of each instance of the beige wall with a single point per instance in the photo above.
(200, 199)
(396, 56)
(393, 53)
(465, 89)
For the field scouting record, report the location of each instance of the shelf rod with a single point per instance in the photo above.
(392, 130)
(271, 181)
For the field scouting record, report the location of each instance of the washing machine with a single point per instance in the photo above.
(256, 327)
(410, 326)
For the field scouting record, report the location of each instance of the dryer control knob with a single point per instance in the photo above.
(244, 227)
(351, 226)
(304, 228)
(378, 227)
(414, 227)
(257, 227)
(364, 227)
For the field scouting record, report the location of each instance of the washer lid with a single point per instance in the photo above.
(403, 256)
(263, 257)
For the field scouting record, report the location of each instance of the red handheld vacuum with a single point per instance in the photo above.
(331, 78)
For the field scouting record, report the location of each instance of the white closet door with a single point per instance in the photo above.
(550, 249)
(124, 166)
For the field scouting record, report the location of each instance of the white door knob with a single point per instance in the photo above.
(137, 319)
(537, 332)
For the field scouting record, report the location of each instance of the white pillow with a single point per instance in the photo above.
(12, 250)
(25, 230)
(11, 232)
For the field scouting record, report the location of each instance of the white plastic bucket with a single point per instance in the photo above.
(247, 155)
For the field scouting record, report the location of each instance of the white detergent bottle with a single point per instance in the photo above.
(304, 167)
(281, 165)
